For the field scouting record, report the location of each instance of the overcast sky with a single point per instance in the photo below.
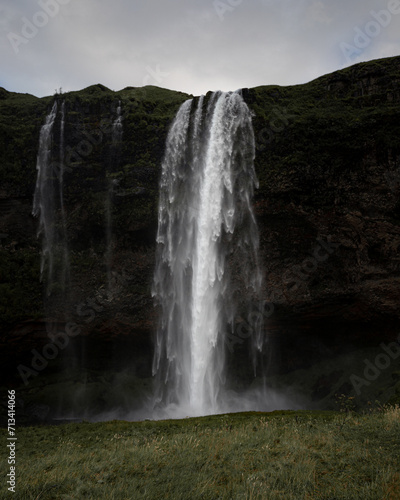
(192, 45)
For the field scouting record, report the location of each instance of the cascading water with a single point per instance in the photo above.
(117, 129)
(117, 126)
(43, 200)
(65, 257)
(48, 204)
(207, 250)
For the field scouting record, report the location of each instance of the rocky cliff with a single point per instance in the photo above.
(328, 163)
(328, 203)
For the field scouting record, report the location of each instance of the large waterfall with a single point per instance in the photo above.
(207, 250)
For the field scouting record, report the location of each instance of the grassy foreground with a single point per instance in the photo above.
(278, 455)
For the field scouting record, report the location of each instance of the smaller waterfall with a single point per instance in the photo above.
(49, 206)
(117, 126)
(109, 242)
(65, 256)
(43, 200)
(117, 129)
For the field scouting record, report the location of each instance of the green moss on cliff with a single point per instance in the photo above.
(332, 123)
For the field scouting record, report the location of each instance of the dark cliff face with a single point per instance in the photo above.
(328, 204)
(328, 163)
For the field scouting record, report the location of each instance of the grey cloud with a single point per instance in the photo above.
(193, 46)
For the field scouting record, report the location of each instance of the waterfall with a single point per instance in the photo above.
(48, 205)
(65, 256)
(117, 126)
(43, 200)
(115, 153)
(207, 250)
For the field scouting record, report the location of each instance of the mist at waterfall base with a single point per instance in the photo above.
(207, 281)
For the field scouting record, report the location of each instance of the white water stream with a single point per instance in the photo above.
(206, 224)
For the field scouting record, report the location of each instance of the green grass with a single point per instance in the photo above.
(279, 455)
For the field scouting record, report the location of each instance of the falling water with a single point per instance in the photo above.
(116, 143)
(117, 126)
(207, 249)
(48, 204)
(65, 256)
(43, 200)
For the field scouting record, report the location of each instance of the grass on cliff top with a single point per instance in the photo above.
(279, 455)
